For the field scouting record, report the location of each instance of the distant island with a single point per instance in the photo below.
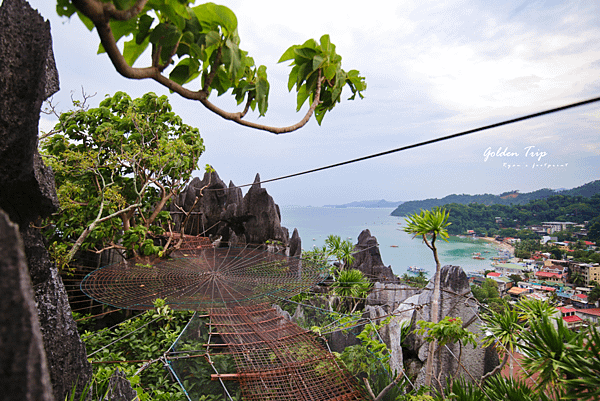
(506, 198)
(367, 204)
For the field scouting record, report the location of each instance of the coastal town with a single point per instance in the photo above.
(567, 283)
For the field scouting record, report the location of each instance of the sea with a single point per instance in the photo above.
(398, 249)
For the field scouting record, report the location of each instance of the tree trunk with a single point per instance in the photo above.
(435, 312)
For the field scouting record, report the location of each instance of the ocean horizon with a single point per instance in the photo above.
(398, 249)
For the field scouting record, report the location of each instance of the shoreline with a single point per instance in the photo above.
(501, 245)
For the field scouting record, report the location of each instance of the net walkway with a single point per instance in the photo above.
(199, 277)
(274, 358)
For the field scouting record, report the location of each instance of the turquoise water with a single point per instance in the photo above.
(314, 224)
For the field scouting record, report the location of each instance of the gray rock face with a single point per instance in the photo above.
(23, 370)
(65, 352)
(368, 259)
(28, 76)
(455, 303)
(295, 244)
(250, 219)
(119, 388)
(390, 294)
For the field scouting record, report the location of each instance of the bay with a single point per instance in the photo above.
(397, 248)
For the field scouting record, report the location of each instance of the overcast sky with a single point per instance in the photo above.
(432, 69)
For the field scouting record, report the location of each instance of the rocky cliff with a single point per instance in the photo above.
(222, 211)
(28, 76)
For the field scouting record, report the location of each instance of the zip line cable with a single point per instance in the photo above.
(428, 142)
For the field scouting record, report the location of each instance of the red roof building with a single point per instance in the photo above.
(493, 274)
(548, 275)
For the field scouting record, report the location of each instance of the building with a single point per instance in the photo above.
(552, 278)
(589, 271)
(506, 269)
(552, 227)
(591, 315)
(571, 319)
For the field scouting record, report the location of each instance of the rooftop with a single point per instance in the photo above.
(572, 319)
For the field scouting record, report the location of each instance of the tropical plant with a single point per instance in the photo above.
(116, 167)
(581, 366)
(202, 42)
(448, 330)
(544, 346)
(352, 286)
(429, 225)
(143, 338)
(341, 250)
(504, 330)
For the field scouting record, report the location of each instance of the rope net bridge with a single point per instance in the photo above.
(273, 358)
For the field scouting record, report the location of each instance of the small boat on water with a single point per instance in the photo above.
(416, 270)
(393, 246)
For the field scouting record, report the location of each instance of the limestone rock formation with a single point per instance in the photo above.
(368, 259)
(23, 370)
(27, 77)
(390, 295)
(455, 302)
(119, 388)
(222, 211)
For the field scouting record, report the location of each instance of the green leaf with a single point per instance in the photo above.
(301, 97)
(185, 71)
(143, 28)
(293, 78)
(289, 54)
(86, 21)
(304, 52)
(262, 95)
(232, 58)
(64, 8)
(211, 16)
(132, 50)
(329, 71)
(317, 62)
(325, 43)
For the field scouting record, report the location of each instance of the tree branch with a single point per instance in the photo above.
(101, 13)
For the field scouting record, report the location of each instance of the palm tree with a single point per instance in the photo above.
(353, 286)
(429, 225)
(341, 250)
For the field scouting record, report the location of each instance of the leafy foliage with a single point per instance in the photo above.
(116, 167)
(202, 42)
(314, 63)
(149, 335)
(448, 330)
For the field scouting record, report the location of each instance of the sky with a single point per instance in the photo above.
(432, 69)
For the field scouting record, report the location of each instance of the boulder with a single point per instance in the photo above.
(368, 259)
(23, 369)
(456, 301)
(119, 388)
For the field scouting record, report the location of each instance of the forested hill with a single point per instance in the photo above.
(507, 198)
(368, 204)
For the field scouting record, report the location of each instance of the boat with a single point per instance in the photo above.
(416, 270)
(393, 246)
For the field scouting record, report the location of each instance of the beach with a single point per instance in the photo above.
(501, 245)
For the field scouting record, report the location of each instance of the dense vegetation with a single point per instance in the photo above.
(507, 198)
(482, 219)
